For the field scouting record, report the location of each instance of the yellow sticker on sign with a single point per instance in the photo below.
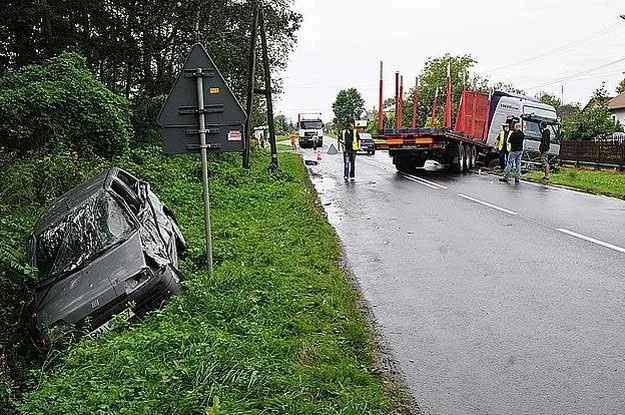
(214, 90)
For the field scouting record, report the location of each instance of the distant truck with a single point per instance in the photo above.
(310, 128)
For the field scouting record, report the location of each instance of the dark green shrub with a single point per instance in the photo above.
(61, 105)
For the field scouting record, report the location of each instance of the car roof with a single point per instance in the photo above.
(74, 198)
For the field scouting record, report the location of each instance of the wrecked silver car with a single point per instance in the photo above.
(106, 246)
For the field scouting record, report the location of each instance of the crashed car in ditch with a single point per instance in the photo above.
(106, 246)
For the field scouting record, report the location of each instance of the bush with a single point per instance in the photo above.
(61, 105)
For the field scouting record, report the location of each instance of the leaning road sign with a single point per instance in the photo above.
(180, 115)
(201, 113)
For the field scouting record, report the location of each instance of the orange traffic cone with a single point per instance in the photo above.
(318, 155)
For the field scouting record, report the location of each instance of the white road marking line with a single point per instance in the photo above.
(593, 240)
(487, 204)
(410, 177)
(426, 181)
(420, 182)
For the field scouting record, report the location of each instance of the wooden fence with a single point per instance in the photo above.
(599, 153)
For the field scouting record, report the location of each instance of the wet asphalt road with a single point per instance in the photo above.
(495, 298)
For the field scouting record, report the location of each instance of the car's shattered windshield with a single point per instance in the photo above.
(95, 225)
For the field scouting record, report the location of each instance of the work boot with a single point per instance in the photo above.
(516, 180)
(345, 178)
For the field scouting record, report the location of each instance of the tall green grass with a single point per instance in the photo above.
(599, 182)
(275, 329)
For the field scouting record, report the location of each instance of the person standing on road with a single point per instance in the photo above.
(545, 143)
(350, 140)
(293, 140)
(503, 145)
(516, 152)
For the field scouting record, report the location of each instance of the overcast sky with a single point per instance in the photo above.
(537, 45)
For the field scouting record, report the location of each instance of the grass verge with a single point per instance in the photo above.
(592, 181)
(275, 329)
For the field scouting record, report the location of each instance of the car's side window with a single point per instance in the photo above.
(127, 194)
(128, 180)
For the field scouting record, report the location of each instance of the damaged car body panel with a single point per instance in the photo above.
(104, 246)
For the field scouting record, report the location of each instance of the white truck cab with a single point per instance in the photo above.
(310, 129)
(530, 112)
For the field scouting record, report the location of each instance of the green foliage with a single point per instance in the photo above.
(567, 111)
(147, 132)
(507, 87)
(348, 106)
(61, 105)
(282, 125)
(136, 47)
(433, 75)
(550, 99)
(275, 329)
(593, 121)
(621, 87)
(372, 127)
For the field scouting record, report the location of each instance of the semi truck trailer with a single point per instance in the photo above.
(472, 139)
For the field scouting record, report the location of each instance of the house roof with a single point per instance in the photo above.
(617, 102)
(593, 101)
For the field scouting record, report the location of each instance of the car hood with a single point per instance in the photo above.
(84, 291)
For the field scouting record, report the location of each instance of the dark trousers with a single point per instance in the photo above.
(503, 159)
(349, 160)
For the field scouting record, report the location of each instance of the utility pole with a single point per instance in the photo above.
(250, 92)
(259, 24)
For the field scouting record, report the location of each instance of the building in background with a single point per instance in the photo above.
(617, 107)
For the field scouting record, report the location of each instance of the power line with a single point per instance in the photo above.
(566, 47)
(574, 75)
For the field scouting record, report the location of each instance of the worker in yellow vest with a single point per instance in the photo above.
(349, 139)
(503, 145)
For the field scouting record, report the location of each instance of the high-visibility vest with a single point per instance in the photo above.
(501, 140)
(354, 141)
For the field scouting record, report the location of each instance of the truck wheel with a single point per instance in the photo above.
(402, 164)
(471, 157)
(461, 163)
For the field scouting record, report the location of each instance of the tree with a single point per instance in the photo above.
(281, 124)
(567, 111)
(433, 75)
(600, 96)
(550, 99)
(137, 47)
(621, 87)
(372, 127)
(61, 105)
(507, 87)
(593, 121)
(348, 106)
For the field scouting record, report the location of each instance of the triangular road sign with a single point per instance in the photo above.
(179, 116)
(332, 150)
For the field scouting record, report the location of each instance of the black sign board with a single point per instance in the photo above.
(179, 117)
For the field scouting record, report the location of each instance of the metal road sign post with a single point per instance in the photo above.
(204, 157)
(201, 114)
